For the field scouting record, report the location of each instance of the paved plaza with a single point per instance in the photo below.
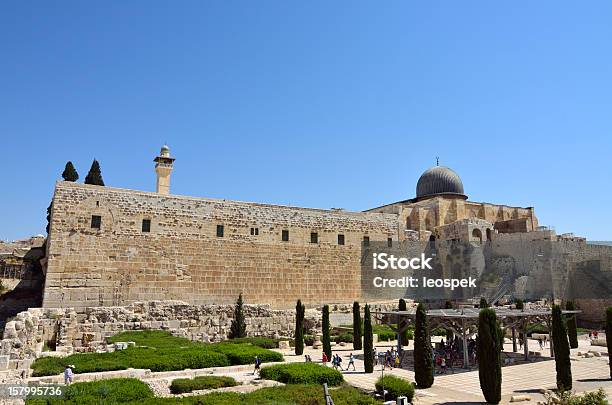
(464, 387)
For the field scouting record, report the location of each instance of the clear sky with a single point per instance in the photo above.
(311, 103)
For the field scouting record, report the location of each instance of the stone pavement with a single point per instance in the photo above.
(464, 386)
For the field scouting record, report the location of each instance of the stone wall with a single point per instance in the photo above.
(25, 336)
(183, 258)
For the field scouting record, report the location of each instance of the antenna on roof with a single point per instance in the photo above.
(437, 160)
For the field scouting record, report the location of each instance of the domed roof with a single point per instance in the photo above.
(439, 180)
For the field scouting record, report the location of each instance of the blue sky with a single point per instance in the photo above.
(316, 104)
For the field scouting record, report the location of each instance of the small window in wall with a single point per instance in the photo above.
(340, 239)
(146, 225)
(219, 231)
(366, 241)
(285, 235)
(254, 231)
(96, 221)
(389, 242)
(314, 237)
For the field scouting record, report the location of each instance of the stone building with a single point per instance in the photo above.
(110, 246)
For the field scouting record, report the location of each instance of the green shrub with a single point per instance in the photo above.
(423, 356)
(302, 373)
(326, 339)
(489, 356)
(163, 352)
(609, 336)
(368, 341)
(309, 340)
(562, 350)
(384, 332)
(357, 327)
(395, 387)
(183, 385)
(598, 397)
(572, 331)
(259, 341)
(300, 311)
(345, 337)
(294, 394)
(116, 390)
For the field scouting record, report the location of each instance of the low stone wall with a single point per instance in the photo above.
(25, 335)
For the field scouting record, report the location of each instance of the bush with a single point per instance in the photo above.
(357, 327)
(259, 341)
(368, 341)
(569, 398)
(163, 352)
(116, 390)
(183, 385)
(245, 353)
(325, 325)
(562, 350)
(395, 387)
(609, 336)
(309, 340)
(572, 331)
(489, 356)
(384, 332)
(294, 394)
(423, 356)
(345, 337)
(302, 373)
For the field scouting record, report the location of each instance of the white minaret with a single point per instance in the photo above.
(163, 167)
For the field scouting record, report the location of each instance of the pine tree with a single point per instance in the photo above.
(423, 354)
(357, 333)
(572, 330)
(300, 310)
(489, 356)
(95, 175)
(238, 327)
(609, 336)
(562, 350)
(368, 341)
(404, 335)
(70, 173)
(326, 340)
(483, 303)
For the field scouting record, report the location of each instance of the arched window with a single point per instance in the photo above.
(477, 235)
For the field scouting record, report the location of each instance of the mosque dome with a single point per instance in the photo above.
(165, 150)
(439, 180)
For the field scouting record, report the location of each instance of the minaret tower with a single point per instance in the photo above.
(163, 167)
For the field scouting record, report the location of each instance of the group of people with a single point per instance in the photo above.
(336, 361)
(391, 358)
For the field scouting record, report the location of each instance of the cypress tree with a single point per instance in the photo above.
(572, 331)
(95, 175)
(483, 303)
(368, 341)
(404, 335)
(238, 327)
(49, 216)
(326, 341)
(70, 173)
(423, 354)
(562, 350)
(520, 304)
(609, 336)
(356, 327)
(489, 356)
(300, 310)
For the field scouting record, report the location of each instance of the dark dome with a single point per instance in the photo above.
(439, 180)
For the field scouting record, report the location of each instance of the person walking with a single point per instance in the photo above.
(257, 365)
(351, 362)
(324, 359)
(68, 374)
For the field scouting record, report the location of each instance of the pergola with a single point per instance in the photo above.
(464, 323)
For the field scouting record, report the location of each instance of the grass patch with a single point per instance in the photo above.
(113, 391)
(302, 373)
(395, 387)
(207, 382)
(284, 395)
(157, 351)
(262, 342)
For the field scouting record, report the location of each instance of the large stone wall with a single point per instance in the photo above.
(183, 258)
